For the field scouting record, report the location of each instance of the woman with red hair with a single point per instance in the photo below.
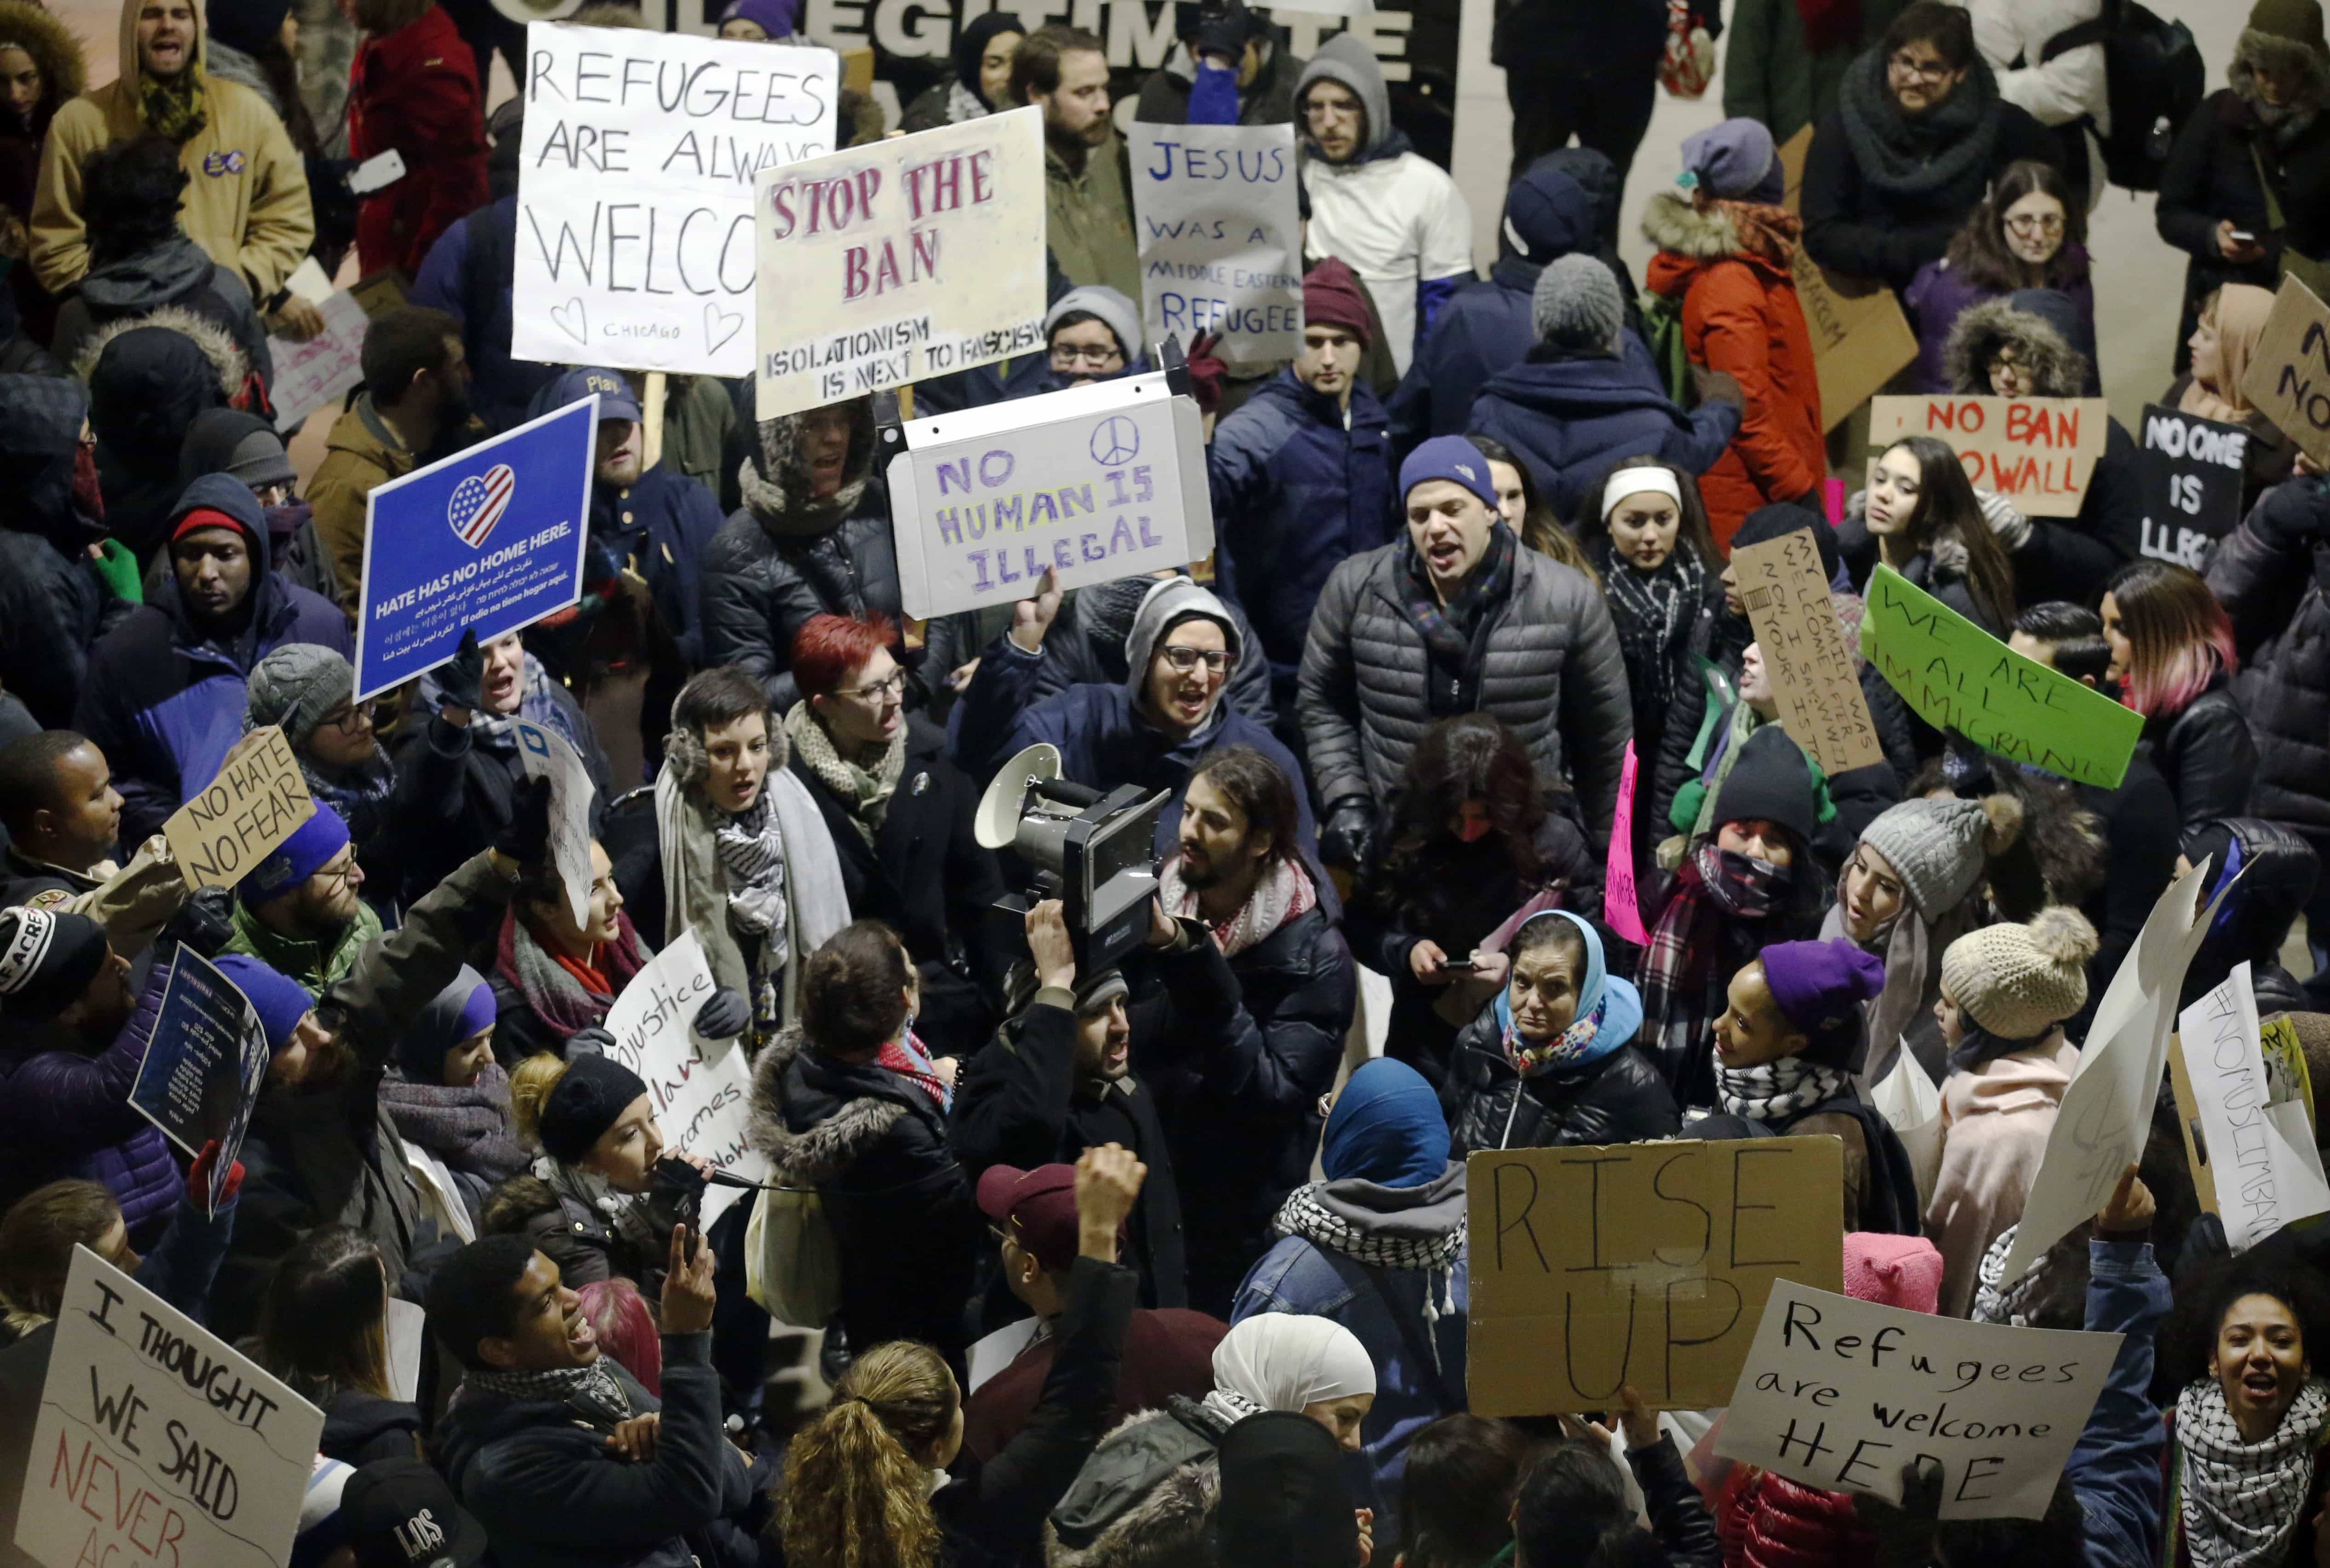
(2172, 661)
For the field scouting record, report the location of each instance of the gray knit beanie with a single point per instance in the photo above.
(1577, 305)
(295, 687)
(1939, 847)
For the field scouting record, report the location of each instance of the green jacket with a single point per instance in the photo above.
(1088, 220)
(312, 964)
(1771, 74)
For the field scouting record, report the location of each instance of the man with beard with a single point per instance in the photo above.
(1087, 204)
(298, 911)
(414, 410)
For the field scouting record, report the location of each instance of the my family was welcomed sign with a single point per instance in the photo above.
(635, 190)
(1221, 237)
(1095, 482)
(489, 539)
(910, 258)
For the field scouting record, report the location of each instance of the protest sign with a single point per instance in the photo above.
(489, 540)
(1841, 1394)
(1810, 669)
(701, 1089)
(2258, 1151)
(310, 375)
(157, 1441)
(547, 754)
(1622, 907)
(2289, 378)
(1096, 482)
(1220, 238)
(259, 798)
(203, 1064)
(2189, 473)
(1641, 1263)
(1957, 676)
(2106, 1112)
(908, 258)
(635, 190)
(1859, 337)
(2037, 452)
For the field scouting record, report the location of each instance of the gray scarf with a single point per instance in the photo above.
(751, 849)
(867, 792)
(1921, 157)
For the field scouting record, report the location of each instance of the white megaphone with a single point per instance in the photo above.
(1013, 815)
(1090, 850)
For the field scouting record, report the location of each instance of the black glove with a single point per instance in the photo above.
(593, 1041)
(1718, 386)
(1905, 1534)
(724, 1015)
(1349, 834)
(2294, 514)
(527, 839)
(204, 922)
(460, 676)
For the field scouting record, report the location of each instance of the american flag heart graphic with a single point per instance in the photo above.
(478, 502)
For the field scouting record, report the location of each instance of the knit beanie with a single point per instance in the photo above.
(2019, 981)
(1771, 782)
(1903, 1272)
(295, 687)
(1735, 161)
(777, 18)
(1119, 315)
(1937, 847)
(47, 959)
(1331, 298)
(1819, 987)
(280, 1000)
(1577, 305)
(2291, 21)
(309, 848)
(589, 1096)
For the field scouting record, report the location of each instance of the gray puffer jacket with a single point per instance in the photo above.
(1553, 674)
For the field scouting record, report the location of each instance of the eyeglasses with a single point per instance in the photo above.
(1924, 70)
(348, 876)
(1067, 353)
(1185, 659)
(354, 719)
(2035, 223)
(882, 691)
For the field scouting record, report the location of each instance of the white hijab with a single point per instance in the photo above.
(1285, 1361)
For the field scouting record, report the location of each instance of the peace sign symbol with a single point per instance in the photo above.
(1115, 441)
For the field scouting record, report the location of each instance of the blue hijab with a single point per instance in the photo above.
(1609, 1009)
(1387, 1128)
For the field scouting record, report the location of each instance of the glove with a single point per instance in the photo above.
(1349, 834)
(593, 1041)
(198, 1178)
(1206, 373)
(724, 1015)
(527, 839)
(1718, 386)
(204, 922)
(1905, 1534)
(460, 676)
(2295, 515)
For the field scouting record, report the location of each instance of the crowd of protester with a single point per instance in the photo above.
(1475, 544)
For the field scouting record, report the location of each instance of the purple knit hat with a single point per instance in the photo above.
(1819, 987)
(1735, 161)
(777, 18)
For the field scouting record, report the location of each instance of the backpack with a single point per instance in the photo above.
(2154, 79)
(1663, 328)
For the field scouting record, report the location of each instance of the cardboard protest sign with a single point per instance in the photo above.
(1811, 670)
(635, 190)
(702, 1090)
(1646, 1263)
(1957, 676)
(2259, 1152)
(2037, 452)
(1622, 907)
(1860, 338)
(1220, 238)
(1841, 1394)
(2289, 378)
(546, 753)
(2106, 1112)
(909, 258)
(490, 540)
(205, 1062)
(320, 371)
(157, 1441)
(2189, 471)
(1095, 482)
(238, 818)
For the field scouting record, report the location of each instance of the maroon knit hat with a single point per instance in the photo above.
(1331, 298)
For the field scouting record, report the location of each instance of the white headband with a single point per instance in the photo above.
(1628, 482)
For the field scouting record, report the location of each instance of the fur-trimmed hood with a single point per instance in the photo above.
(41, 34)
(1692, 238)
(1152, 1509)
(1982, 330)
(775, 486)
(216, 342)
(1671, 221)
(2257, 50)
(829, 1148)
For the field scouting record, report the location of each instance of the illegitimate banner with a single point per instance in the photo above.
(1822, 706)
(1841, 1394)
(1860, 338)
(2190, 469)
(635, 190)
(701, 1089)
(910, 257)
(490, 540)
(2262, 1159)
(1221, 240)
(2037, 452)
(546, 753)
(205, 1062)
(1096, 482)
(259, 798)
(1641, 1263)
(157, 1441)
(2289, 378)
(1957, 676)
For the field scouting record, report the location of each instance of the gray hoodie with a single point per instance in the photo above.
(1347, 58)
(1173, 600)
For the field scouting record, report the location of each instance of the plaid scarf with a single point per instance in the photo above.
(1708, 930)
(591, 1391)
(1454, 645)
(174, 106)
(867, 793)
(750, 845)
(1767, 232)
(1652, 612)
(2240, 1502)
(1777, 1091)
(557, 995)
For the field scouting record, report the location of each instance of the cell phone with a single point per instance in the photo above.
(2242, 236)
(1467, 965)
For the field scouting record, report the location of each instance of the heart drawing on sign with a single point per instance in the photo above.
(719, 326)
(570, 321)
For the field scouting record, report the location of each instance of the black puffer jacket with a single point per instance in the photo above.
(1553, 673)
(2277, 875)
(783, 557)
(1620, 1098)
(2272, 575)
(2207, 755)
(51, 605)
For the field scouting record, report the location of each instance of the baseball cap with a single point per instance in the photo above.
(400, 1514)
(615, 398)
(1036, 1208)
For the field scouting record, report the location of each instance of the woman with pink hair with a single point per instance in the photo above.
(2172, 661)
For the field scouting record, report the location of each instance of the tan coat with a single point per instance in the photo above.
(361, 452)
(246, 204)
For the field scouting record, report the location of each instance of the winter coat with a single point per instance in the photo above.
(2141, 829)
(163, 700)
(2277, 595)
(552, 1494)
(315, 965)
(52, 600)
(177, 272)
(1940, 293)
(1570, 418)
(1088, 218)
(247, 204)
(1299, 486)
(2211, 176)
(360, 1428)
(1995, 1120)
(1740, 315)
(361, 452)
(1772, 73)
(2206, 753)
(148, 382)
(1619, 1097)
(1553, 673)
(415, 91)
(1412, 1320)
(1018, 1104)
(467, 274)
(1145, 1499)
(56, 51)
(661, 530)
(875, 1147)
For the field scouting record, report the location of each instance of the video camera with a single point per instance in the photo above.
(1095, 853)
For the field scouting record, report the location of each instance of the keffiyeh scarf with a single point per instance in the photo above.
(1652, 612)
(1777, 1091)
(590, 1392)
(962, 104)
(910, 1059)
(752, 850)
(867, 792)
(2240, 1502)
(1302, 1214)
(1283, 892)
(1995, 1300)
